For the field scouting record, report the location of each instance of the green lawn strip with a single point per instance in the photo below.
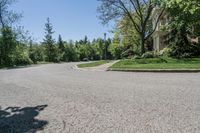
(93, 64)
(158, 63)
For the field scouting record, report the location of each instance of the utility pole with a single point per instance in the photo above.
(105, 46)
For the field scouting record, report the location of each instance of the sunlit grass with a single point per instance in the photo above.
(158, 63)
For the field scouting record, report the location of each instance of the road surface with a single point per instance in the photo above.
(56, 98)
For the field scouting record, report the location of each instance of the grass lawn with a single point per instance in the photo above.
(157, 63)
(93, 64)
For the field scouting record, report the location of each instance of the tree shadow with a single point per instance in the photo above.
(21, 120)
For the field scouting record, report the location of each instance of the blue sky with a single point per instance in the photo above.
(73, 19)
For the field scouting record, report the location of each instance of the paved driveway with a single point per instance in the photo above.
(57, 98)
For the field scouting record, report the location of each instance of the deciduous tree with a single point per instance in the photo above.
(7, 16)
(114, 9)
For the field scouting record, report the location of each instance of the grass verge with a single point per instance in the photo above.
(158, 64)
(93, 64)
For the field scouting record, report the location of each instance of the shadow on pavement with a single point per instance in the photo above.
(21, 120)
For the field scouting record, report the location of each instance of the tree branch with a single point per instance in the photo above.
(136, 10)
(154, 29)
(137, 27)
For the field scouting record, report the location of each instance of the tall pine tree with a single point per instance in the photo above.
(49, 42)
(61, 44)
(61, 47)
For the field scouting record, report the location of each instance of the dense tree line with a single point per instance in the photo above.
(62, 51)
(14, 51)
(16, 48)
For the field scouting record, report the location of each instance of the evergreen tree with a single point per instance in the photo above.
(85, 40)
(61, 44)
(61, 47)
(49, 42)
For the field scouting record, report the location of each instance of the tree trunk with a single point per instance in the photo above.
(1, 55)
(142, 44)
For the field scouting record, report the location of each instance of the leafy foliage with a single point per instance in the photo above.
(185, 26)
(12, 51)
(37, 53)
(148, 55)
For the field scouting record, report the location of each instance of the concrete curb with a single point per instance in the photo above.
(157, 70)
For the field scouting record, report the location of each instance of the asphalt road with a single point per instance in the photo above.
(56, 98)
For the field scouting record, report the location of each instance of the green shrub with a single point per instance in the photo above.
(182, 49)
(165, 52)
(186, 55)
(127, 54)
(19, 56)
(137, 57)
(150, 61)
(148, 55)
(37, 54)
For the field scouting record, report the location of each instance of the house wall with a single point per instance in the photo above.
(158, 36)
(156, 42)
